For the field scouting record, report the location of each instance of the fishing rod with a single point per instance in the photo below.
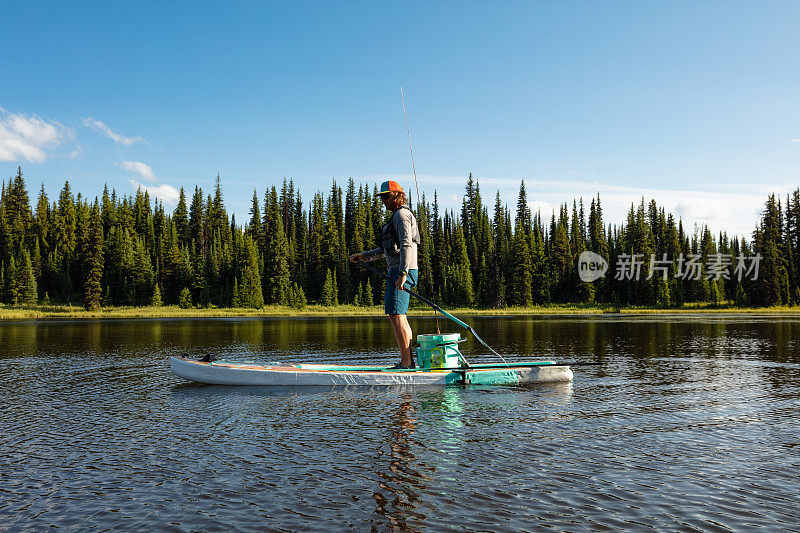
(416, 186)
(435, 307)
(410, 147)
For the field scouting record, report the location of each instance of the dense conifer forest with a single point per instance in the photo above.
(129, 250)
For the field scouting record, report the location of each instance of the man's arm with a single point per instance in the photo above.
(368, 255)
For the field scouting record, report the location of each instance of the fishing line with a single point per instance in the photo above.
(416, 184)
(410, 147)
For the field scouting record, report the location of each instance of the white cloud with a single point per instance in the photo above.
(167, 193)
(734, 208)
(721, 209)
(796, 140)
(29, 137)
(539, 206)
(100, 126)
(144, 171)
(699, 208)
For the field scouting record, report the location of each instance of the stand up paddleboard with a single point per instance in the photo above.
(223, 373)
(438, 358)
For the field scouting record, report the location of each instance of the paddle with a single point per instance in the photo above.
(435, 307)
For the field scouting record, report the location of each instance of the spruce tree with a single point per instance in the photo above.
(299, 296)
(141, 274)
(185, 300)
(254, 229)
(366, 294)
(180, 217)
(772, 270)
(93, 261)
(65, 231)
(520, 293)
(249, 290)
(276, 267)
(156, 301)
(236, 299)
(329, 295)
(459, 273)
(11, 289)
(197, 229)
(26, 282)
(18, 209)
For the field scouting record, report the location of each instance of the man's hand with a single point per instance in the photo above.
(400, 282)
(355, 258)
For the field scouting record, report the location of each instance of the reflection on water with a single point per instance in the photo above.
(690, 423)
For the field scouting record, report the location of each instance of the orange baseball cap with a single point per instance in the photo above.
(389, 186)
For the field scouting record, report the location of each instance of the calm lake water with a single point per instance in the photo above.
(691, 423)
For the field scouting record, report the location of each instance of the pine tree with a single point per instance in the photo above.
(459, 274)
(42, 221)
(254, 229)
(297, 298)
(772, 271)
(185, 300)
(141, 274)
(329, 290)
(236, 299)
(26, 282)
(560, 261)
(520, 294)
(197, 230)
(739, 297)
(18, 209)
(366, 294)
(93, 261)
(156, 301)
(276, 267)
(11, 288)
(523, 219)
(181, 219)
(65, 233)
(249, 290)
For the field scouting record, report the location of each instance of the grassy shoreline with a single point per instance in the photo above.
(20, 312)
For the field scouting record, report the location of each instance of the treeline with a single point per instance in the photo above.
(130, 251)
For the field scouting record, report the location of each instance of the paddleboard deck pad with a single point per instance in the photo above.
(229, 373)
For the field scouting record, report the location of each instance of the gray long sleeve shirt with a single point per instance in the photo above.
(402, 255)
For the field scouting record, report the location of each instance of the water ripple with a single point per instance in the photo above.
(689, 425)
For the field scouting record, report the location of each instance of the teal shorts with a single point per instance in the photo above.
(396, 302)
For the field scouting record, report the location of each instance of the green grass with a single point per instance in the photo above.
(18, 312)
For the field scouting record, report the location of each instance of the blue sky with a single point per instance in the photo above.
(696, 104)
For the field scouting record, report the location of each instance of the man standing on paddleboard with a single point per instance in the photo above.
(399, 240)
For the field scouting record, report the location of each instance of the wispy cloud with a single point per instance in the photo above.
(797, 140)
(29, 137)
(101, 126)
(144, 171)
(167, 193)
(734, 208)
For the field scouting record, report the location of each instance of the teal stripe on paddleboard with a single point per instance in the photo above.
(501, 376)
